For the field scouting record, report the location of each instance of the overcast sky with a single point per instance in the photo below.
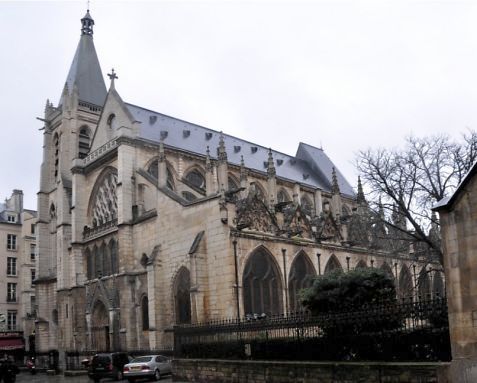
(342, 75)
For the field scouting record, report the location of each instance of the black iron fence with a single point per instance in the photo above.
(388, 331)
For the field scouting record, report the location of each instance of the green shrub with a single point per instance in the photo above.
(338, 291)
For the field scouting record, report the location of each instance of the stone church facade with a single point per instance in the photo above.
(146, 221)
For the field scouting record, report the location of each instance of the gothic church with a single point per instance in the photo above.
(146, 221)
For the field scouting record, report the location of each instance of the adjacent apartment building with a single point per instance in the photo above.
(17, 266)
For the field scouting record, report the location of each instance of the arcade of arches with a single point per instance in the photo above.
(263, 284)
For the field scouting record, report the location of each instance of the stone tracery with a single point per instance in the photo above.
(105, 201)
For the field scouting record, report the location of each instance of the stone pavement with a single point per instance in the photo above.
(26, 377)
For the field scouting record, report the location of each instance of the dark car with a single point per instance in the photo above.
(8, 371)
(108, 365)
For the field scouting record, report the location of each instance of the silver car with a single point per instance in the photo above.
(149, 366)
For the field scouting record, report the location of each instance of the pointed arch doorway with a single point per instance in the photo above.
(100, 338)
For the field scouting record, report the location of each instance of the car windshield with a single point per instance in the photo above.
(141, 359)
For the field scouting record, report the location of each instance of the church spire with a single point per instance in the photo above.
(243, 171)
(85, 72)
(335, 188)
(360, 199)
(221, 152)
(270, 165)
(87, 23)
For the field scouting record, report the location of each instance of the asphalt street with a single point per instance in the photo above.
(25, 377)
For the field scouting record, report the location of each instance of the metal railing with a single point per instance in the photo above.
(411, 330)
(106, 148)
(90, 232)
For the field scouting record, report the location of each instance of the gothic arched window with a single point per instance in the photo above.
(98, 262)
(232, 183)
(345, 211)
(387, 269)
(282, 196)
(405, 283)
(153, 171)
(301, 277)
(113, 253)
(182, 296)
(259, 192)
(145, 312)
(52, 212)
(262, 285)
(89, 264)
(424, 285)
(196, 179)
(306, 205)
(56, 142)
(106, 260)
(104, 207)
(438, 285)
(83, 142)
(333, 264)
(111, 121)
(361, 265)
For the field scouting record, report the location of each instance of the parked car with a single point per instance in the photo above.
(108, 365)
(149, 366)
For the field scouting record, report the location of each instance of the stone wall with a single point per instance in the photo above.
(238, 371)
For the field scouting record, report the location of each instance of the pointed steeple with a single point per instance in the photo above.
(85, 72)
(270, 165)
(360, 199)
(208, 162)
(335, 188)
(221, 152)
(222, 166)
(243, 171)
(87, 23)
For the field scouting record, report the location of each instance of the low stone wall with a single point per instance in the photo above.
(240, 371)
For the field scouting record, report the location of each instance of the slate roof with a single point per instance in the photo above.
(311, 166)
(86, 73)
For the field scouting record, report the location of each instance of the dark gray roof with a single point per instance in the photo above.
(310, 167)
(86, 73)
(321, 164)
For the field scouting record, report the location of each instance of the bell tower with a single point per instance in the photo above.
(69, 128)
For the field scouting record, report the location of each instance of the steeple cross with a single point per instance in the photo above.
(112, 76)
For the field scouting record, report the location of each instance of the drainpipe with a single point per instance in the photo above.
(284, 252)
(236, 279)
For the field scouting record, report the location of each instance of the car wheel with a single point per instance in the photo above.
(119, 375)
(157, 375)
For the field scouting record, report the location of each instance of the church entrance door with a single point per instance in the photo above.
(100, 338)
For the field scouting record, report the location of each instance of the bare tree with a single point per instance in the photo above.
(405, 183)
